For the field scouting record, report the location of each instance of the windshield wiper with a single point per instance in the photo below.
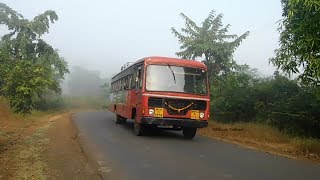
(174, 76)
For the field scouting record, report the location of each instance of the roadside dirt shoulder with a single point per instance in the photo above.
(43, 148)
(64, 156)
(21, 142)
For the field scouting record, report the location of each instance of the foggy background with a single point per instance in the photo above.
(100, 36)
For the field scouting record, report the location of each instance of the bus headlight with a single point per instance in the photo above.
(151, 111)
(202, 115)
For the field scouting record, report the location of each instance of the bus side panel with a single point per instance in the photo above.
(142, 108)
(119, 99)
(121, 111)
(123, 102)
(126, 106)
(135, 103)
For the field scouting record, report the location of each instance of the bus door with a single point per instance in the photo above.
(138, 83)
(136, 95)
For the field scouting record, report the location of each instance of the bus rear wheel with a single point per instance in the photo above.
(138, 129)
(119, 119)
(189, 133)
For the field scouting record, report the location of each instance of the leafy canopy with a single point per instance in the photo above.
(29, 67)
(299, 50)
(209, 40)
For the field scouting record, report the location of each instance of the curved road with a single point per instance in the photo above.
(119, 154)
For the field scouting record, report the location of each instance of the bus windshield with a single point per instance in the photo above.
(176, 79)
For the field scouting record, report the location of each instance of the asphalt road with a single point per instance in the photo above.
(166, 155)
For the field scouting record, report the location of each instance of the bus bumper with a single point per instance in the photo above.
(177, 123)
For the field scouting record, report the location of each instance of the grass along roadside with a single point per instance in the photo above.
(22, 140)
(264, 138)
(29, 161)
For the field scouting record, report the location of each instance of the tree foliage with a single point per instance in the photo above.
(299, 50)
(209, 40)
(29, 67)
(277, 101)
(238, 93)
(232, 93)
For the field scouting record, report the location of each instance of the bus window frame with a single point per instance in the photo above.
(207, 81)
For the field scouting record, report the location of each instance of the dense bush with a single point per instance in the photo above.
(277, 101)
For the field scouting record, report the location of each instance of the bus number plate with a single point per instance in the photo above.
(194, 114)
(158, 112)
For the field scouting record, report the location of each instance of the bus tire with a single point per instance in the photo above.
(138, 129)
(123, 120)
(189, 133)
(117, 118)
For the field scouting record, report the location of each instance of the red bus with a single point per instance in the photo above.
(162, 92)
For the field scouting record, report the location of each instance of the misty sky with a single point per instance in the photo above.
(103, 35)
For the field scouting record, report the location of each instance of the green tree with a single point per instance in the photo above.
(29, 66)
(299, 50)
(209, 40)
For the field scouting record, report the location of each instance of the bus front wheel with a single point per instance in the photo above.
(189, 133)
(138, 129)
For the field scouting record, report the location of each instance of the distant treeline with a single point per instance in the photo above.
(82, 88)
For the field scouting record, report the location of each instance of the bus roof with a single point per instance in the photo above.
(166, 61)
(174, 61)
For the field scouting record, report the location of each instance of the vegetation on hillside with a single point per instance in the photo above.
(30, 68)
(239, 94)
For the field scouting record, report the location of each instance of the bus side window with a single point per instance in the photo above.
(118, 85)
(122, 84)
(133, 82)
(138, 80)
(126, 83)
(130, 82)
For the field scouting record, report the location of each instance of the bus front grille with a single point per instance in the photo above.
(177, 106)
